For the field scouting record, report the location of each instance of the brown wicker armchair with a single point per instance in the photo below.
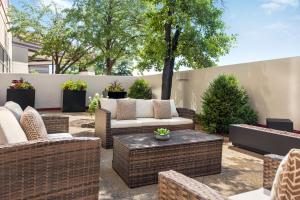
(56, 123)
(105, 132)
(66, 168)
(173, 185)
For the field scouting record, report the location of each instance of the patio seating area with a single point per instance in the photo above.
(242, 170)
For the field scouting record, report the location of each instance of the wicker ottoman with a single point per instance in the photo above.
(138, 158)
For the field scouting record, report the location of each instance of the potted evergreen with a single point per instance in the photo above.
(22, 93)
(116, 91)
(74, 96)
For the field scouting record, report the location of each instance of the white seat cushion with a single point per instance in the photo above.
(10, 129)
(153, 121)
(125, 123)
(15, 109)
(110, 105)
(144, 108)
(179, 121)
(59, 135)
(260, 194)
(164, 122)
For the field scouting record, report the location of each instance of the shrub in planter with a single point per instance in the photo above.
(74, 94)
(21, 92)
(225, 103)
(140, 89)
(116, 91)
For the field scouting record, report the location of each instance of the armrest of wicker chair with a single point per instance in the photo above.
(271, 163)
(186, 113)
(103, 126)
(56, 123)
(50, 169)
(173, 185)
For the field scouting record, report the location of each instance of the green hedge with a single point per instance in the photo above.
(140, 89)
(225, 103)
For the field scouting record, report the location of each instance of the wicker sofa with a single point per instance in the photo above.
(56, 168)
(173, 185)
(105, 129)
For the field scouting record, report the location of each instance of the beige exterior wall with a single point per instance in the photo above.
(48, 87)
(5, 36)
(19, 59)
(273, 86)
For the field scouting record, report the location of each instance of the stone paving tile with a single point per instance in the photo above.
(241, 170)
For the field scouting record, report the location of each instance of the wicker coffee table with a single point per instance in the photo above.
(138, 158)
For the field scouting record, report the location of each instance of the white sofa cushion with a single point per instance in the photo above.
(59, 135)
(153, 122)
(180, 121)
(15, 109)
(259, 194)
(110, 105)
(144, 108)
(125, 123)
(10, 129)
(174, 112)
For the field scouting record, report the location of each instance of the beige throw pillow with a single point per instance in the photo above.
(287, 180)
(33, 124)
(162, 109)
(126, 109)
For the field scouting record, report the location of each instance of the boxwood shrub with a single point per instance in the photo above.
(140, 89)
(225, 102)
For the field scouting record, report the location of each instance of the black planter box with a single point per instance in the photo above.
(262, 140)
(21, 96)
(280, 124)
(74, 101)
(117, 95)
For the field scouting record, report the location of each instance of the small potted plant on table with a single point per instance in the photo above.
(22, 93)
(162, 134)
(74, 96)
(116, 91)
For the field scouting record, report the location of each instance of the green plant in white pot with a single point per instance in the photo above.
(162, 134)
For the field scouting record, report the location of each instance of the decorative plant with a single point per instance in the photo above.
(21, 84)
(162, 131)
(225, 103)
(140, 89)
(115, 87)
(94, 103)
(74, 85)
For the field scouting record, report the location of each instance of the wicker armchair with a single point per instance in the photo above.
(105, 132)
(173, 185)
(66, 168)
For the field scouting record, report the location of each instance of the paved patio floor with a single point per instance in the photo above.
(241, 170)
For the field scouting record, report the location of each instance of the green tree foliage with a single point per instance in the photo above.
(140, 90)
(112, 26)
(122, 68)
(179, 33)
(50, 27)
(225, 103)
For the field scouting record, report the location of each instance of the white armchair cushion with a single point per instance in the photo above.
(10, 129)
(144, 108)
(110, 105)
(15, 109)
(59, 135)
(259, 194)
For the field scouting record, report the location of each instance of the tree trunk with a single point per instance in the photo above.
(109, 65)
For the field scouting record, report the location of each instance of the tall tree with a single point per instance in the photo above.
(49, 27)
(187, 33)
(112, 26)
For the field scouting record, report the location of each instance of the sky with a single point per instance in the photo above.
(266, 29)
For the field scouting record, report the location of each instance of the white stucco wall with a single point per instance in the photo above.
(48, 87)
(19, 59)
(273, 86)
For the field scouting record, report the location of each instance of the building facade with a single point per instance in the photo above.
(5, 39)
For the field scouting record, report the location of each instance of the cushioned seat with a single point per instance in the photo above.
(153, 121)
(260, 194)
(59, 135)
(180, 121)
(125, 123)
